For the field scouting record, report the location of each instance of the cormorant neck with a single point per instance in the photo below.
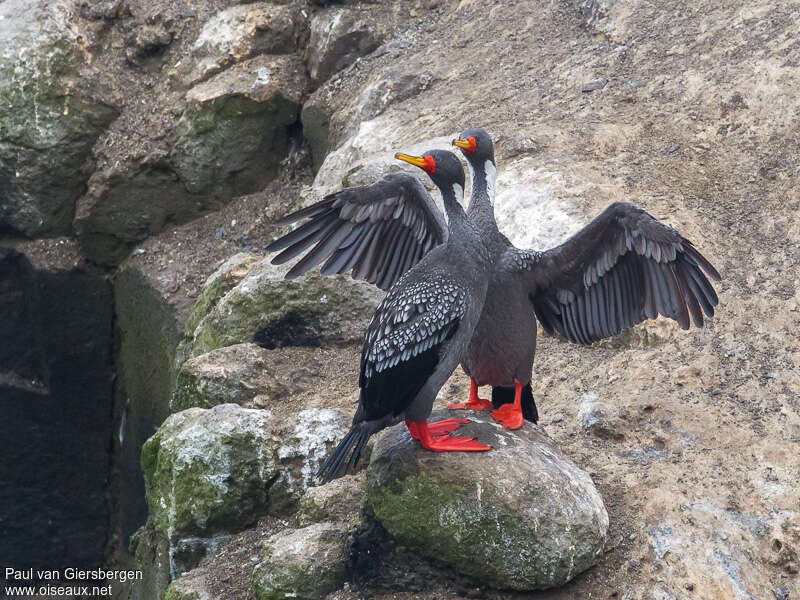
(452, 197)
(481, 203)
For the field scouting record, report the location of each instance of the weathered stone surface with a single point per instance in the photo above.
(49, 118)
(239, 374)
(338, 37)
(234, 129)
(241, 32)
(340, 500)
(303, 563)
(190, 586)
(209, 473)
(599, 418)
(524, 503)
(149, 329)
(219, 283)
(229, 140)
(271, 311)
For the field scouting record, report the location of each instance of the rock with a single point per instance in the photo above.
(152, 556)
(50, 116)
(207, 474)
(316, 119)
(237, 374)
(241, 32)
(599, 418)
(210, 473)
(734, 542)
(524, 503)
(594, 84)
(338, 37)
(234, 132)
(303, 563)
(190, 586)
(391, 87)
(340, 500)
(596, 14)
(219, 283)
(266, 309)
(229, 140)
(149, 328)
(306, 440)
(147, 41)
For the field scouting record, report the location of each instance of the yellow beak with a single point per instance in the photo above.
(417, 161)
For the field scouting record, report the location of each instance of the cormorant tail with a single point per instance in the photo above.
(352, 445)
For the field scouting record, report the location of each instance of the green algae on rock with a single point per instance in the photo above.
(212, 472)
(525, 504)
(272, 311)
(219, 283)
(303, 563)
(235, 374)
(207, 473)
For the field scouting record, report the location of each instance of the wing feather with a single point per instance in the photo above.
(374, 222)
(622, 268)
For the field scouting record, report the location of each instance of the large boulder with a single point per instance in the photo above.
(524, 504)
(50, 116)
(241, 32)
(233, 132)
(272, 311)
(210, 473)
(219, 283)
(303, 563)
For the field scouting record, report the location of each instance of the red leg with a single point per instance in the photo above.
(474, 403)
(444, 443)
(438, 428)
(510, 415)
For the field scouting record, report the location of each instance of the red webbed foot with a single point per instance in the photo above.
(438, 428)
(473, 403)
(444, 443)
(509, 416)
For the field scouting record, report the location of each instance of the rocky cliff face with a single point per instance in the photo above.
(163, 138)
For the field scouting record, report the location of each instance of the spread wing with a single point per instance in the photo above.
(622, 268)
(404, 339)
(377, 231)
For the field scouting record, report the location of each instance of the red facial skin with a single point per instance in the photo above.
(430, 164)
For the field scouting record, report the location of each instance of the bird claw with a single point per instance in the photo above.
(508, 416)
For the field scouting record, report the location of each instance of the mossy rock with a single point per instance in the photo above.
(237, 374)
(306, 563)
(49, 120)
(234, 130)
(524, 504)
(212, 472)
(271, 311)
(219, 283)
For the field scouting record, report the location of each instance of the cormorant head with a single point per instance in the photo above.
(442, 166)
(476, 145)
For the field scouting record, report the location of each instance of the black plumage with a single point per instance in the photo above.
(377, 231)
(418, 333)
